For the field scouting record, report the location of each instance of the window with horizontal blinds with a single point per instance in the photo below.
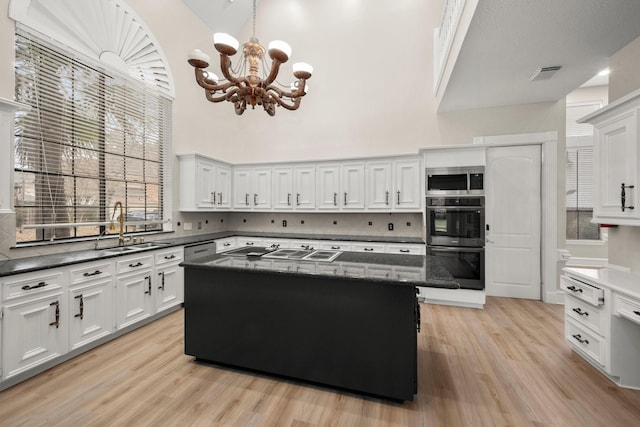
(92, 138)
(579, 174)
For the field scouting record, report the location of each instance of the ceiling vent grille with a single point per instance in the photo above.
(544, 73)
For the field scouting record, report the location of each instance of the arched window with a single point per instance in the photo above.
(98, 131)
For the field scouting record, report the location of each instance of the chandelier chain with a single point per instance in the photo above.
(254, 18)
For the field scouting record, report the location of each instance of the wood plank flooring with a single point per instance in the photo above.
(506, 365)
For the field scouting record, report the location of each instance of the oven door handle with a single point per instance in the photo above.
(455, 208)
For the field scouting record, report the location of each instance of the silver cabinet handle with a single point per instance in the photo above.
(398, 196)
(297, 199)
(39, 285)
(161, 274)
(220, 198)
(214, 197)
(255, 199)
(386, 197)
(288, 199)
(345, 198)
(246, 198)
(148, 279)
(56, 322)
(335, 199)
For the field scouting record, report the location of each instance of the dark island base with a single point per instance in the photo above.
(351, 334)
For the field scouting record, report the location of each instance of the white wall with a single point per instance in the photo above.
(371, 92)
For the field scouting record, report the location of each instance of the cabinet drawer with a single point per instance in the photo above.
(303, 244)
(169, 257)
(89, 272)
(626, 307)
(134, 264)
(334, 245)
(32, 284)
(582, 290)
(585, 341)
(226, 244)
(406, 274)
(368, 247)
(247, 241)
(585, 314)
(406, 249)
(280, 243)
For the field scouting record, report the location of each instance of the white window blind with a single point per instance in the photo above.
(579, 178)
(92, 138)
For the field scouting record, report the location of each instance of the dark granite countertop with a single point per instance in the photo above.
(397, 269)
(43, 262)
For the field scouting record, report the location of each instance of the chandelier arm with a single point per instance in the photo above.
(283, 104)
(202, 82)
(224, 97)
(284, 94)
(273, 73)
(225, 67)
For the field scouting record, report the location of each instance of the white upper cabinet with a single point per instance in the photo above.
(616, 161)
(294, 187)
(352, 185)
(252, 188)
(341, 186)
(328, 181)
(305, 187)
(394, 184)
(283, 188)
(205, 184)
(383, 184)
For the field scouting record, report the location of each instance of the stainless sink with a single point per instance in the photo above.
(133, 248)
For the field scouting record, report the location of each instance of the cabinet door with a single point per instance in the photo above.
(283, 188)
(328, 180)
(205, 184)
(34, 332)
(261, 187)
(616, 152)
(169, 287)
(352, 185)
(305, 187)
(408, 194)
(134, 298)
(223, 187)
(379, 182)
(242, 189)
(92, 312)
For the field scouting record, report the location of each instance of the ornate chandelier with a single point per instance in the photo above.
(252, 89)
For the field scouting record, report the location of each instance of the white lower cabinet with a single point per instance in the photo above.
(91, 303)
(34, 323)
(134, 298)
(602, 321)
(169, 279)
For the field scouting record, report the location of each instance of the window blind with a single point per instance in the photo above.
(92, 137)
(579, 178)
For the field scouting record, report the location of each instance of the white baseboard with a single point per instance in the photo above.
(456, 297)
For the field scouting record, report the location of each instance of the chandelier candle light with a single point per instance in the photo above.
(250, 89)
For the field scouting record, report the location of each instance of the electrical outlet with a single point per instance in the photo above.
(284, 222)
(390, 226)
(199, 225)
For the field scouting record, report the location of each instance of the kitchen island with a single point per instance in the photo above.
(350, 323)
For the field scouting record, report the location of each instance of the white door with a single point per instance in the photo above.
(379, 180)
(223, 187)
(408, 184)
(352, 185)
(328, 186)
(513, 222)
(305, 185)
(241, 189)
(283, 188)
(205, 184)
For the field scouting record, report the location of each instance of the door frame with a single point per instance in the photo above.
(549, 203)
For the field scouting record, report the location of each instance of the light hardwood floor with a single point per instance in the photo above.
(506, 365)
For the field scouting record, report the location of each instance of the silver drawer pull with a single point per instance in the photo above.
(368, 249)
(169, 257)
(138, 264)
(636, 312)
(580, 312)
(579, 338)
(39, 285)
(335, 247)
(574, 289)
(405, 251)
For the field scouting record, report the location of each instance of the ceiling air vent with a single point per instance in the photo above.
(544, 73)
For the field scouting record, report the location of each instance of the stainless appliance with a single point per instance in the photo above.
(455, 221)
(199, 250)
(455, 235)
(466, 265)
(461, 181)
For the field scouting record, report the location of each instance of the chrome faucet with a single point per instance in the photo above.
(112, 226)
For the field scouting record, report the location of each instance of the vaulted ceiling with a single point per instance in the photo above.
(506, 42)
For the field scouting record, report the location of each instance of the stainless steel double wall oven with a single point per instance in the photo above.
(456, 222)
